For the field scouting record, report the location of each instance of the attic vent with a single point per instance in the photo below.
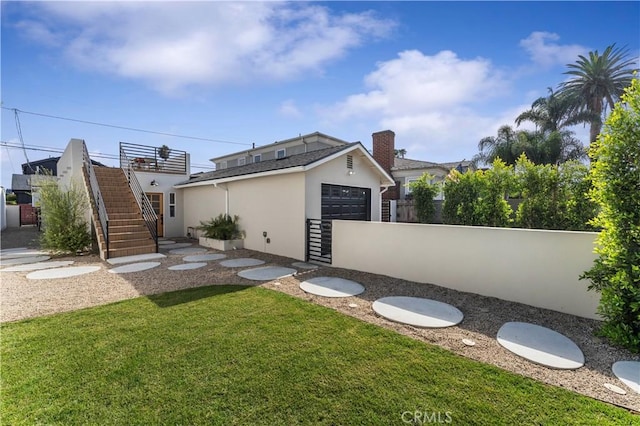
(349, 162)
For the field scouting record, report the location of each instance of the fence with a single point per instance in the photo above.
(535, 267)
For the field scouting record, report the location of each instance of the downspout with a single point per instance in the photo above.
(226, 197)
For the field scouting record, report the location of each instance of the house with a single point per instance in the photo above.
(405, 171)
(275, 189)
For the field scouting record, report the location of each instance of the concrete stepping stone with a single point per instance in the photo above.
(18, 253)
(331, 287)
(23, 260)
(418, 311)
(629, 373)
(187, 266)
(188, 250)
(175, 246)
(266, 273)
(540, 345)
(11, 250)
(37, 266)
(166, 242)
(304, 265)
(241, 262)
(135, 258)
(134, 267)
(56, 273)
(203, 257)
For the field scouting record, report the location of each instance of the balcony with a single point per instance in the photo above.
(153, 159)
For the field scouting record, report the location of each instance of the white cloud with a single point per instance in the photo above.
(543, 50)
(174, 45)
(430, 102)
(289, 109)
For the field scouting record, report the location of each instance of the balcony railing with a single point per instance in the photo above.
(146, 158)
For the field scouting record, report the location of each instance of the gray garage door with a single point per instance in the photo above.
(345, 202)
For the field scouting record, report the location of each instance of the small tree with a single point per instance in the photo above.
(163, 152)
(423, 192)
(616, 180)
(62, 211)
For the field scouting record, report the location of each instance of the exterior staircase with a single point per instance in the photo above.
(128, 234)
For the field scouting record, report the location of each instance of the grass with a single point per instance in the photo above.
(246, 355)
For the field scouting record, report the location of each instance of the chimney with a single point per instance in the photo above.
(383, 153)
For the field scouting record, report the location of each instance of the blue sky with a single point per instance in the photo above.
(441, 75)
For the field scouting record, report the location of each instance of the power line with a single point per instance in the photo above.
(106, 156)
(133, 129)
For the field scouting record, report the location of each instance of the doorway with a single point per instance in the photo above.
(157, 203)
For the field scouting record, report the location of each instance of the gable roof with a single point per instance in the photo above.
(294, 163)
(408, 164)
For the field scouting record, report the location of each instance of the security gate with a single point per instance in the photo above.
(318, 241)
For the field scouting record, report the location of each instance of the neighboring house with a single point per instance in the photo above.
(22, 184)
(404, 170)
(283, 184)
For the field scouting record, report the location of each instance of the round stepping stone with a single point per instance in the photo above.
(38, 266)
(11, 250)
(175, 246)
(418, 312)
(241, 262)
(133, 267)
(616, 389)
(331, 287)
(23, 260)
(188, 250)
(135, 258)
(304, 265)
(166, 243)
(56, 273)
(266, 273)
(203, 257)
(629, 373)
(19, 253)
(540, 345)
(187, 266)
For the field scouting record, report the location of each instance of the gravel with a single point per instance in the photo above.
(21, 298)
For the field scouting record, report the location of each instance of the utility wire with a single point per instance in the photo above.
(133, 129)
(19, 130)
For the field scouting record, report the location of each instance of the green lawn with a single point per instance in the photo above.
(246, 355)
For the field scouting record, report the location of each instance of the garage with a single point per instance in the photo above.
(345, 202)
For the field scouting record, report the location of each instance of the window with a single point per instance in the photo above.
(172, 204)
(257, 158)
(223, 165)
(281, 153)
(407, 188)
(242, 161)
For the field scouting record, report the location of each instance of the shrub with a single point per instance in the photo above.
(423, 192)
(62, 212)
(223, 227)
(616, 189)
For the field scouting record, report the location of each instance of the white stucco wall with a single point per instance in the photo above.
(535, 267)
(335, 173)
(13, 215)
(173, 226)
(3, 209)
(201, 203)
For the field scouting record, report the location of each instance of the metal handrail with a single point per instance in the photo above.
(97, 196)
(150, 159)
(148, 214)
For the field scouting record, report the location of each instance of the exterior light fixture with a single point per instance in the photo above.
(351, 172)
(154, 183)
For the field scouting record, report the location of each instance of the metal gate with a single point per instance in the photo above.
(318, 241)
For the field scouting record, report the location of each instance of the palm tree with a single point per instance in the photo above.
(502, 146)
(554, 113)
(598, 82)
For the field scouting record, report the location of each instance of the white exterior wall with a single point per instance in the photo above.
(13, 215)
(3, 209)
(535, 267)
(336, 173)
(70, 172)
(273, 204)
(201, 203)
(173, 226)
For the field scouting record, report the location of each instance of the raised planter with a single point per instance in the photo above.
(222, 245)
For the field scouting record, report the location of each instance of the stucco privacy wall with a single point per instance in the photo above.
(201, 203)
(336, 172)
(535, 267)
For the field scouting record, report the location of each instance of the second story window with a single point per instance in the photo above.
(281, 153)
(257, 158)
(242, 161)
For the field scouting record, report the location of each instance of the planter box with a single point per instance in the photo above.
(222, 245)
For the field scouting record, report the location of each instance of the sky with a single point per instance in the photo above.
(221, 76)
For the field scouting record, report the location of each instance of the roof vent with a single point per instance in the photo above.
(349, 161)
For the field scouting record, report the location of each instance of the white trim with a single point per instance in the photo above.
(242, 161)
(284, 153)
(258, 156)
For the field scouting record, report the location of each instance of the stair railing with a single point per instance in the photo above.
(97, 196)
(148, 214)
